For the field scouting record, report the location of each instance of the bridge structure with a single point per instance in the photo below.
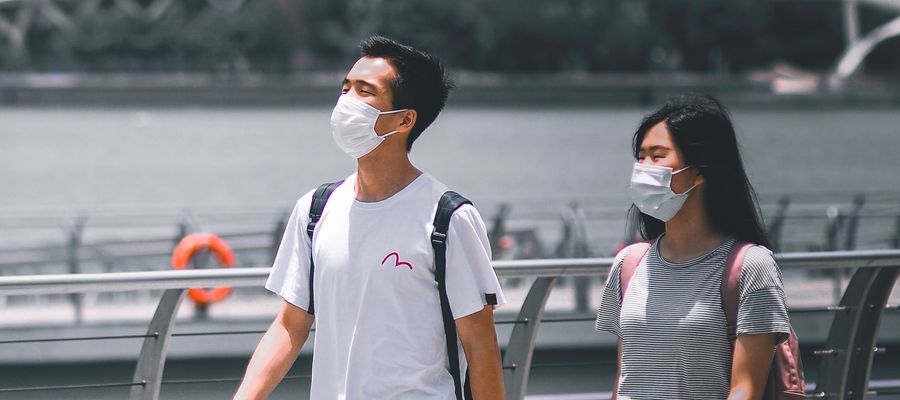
(859, 46)
(19, 18)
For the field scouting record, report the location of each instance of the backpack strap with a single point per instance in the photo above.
(319, 198)
(730, 291)
(449, 203)
(629, 265)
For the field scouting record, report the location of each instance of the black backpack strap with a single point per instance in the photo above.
(319, 198)
(449, 203)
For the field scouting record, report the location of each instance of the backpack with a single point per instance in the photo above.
(447, 205)
(785, 380)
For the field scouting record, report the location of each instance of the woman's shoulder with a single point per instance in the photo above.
(760, 269)
(636, 246)
(759, 256)
(641, 246)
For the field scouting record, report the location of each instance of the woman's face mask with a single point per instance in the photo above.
(353, 126)
(651, 191)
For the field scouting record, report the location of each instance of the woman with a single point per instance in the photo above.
(693, 202)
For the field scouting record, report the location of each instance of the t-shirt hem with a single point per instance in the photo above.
(472, 309)
(782, 332)
(289, 298)
(608, 330)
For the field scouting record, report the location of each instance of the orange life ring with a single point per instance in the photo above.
(181, 258)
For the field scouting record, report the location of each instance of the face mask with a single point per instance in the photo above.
(652, 193)
(353, 126)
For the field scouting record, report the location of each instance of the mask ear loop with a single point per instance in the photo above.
(392, 112)
(386, 135)
(686, 191)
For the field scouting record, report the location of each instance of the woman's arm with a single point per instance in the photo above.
(618, 370)
(750, 365)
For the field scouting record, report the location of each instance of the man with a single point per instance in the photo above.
(379, 327)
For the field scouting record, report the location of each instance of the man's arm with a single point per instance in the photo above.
(479, 341)
(275, 353)
(750, 366)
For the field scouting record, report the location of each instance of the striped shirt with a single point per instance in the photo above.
(673, 329)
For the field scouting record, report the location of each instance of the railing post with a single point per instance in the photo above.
(582, 250)
(833, 222)
(277, 233)
(520, 349)
(201, 260)
(832, 232)
(777, 225)
(74, 245)
(498, 228)
(181, 230)
(844, 372)
(575, 245)
(895, 241)
(853, 222)
(149, 369)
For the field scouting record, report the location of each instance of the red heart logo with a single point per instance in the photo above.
(397, 261)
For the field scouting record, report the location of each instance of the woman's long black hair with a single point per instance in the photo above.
(702, 130)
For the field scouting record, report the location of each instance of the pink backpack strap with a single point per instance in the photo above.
(629, 265)
(731, 285)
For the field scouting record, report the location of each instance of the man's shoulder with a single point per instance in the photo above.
(304, 203)
(435, 186)
(438, 188)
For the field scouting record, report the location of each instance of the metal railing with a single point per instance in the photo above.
(844, 370)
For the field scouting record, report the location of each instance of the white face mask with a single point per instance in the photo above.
(651, 191)
(353, 126)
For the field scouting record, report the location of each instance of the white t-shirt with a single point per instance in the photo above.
(379, 330)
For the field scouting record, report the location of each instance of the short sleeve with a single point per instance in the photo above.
(762, 307)
(608, 313)
(471, 281)
(289, 277)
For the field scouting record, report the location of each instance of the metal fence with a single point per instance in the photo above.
(122, 241)
(843, 372)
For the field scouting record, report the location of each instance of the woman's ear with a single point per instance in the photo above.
(699, 179)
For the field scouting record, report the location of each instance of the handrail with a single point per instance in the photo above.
(845, 370)
(124, 281)
(144, 280)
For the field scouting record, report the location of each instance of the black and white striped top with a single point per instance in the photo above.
(673, 329)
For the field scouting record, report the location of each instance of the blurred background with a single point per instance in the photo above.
(128, 124)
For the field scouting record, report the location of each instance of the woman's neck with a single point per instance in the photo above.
(690, 233)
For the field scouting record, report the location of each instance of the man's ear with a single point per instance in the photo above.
(409, 120)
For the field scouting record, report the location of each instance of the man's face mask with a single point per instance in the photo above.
(353, 126)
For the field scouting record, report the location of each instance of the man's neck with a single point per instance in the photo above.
(380, 176)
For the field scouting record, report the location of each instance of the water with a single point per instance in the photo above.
(65, 160)
(95, 158)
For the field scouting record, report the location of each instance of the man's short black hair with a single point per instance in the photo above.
(420, 82)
